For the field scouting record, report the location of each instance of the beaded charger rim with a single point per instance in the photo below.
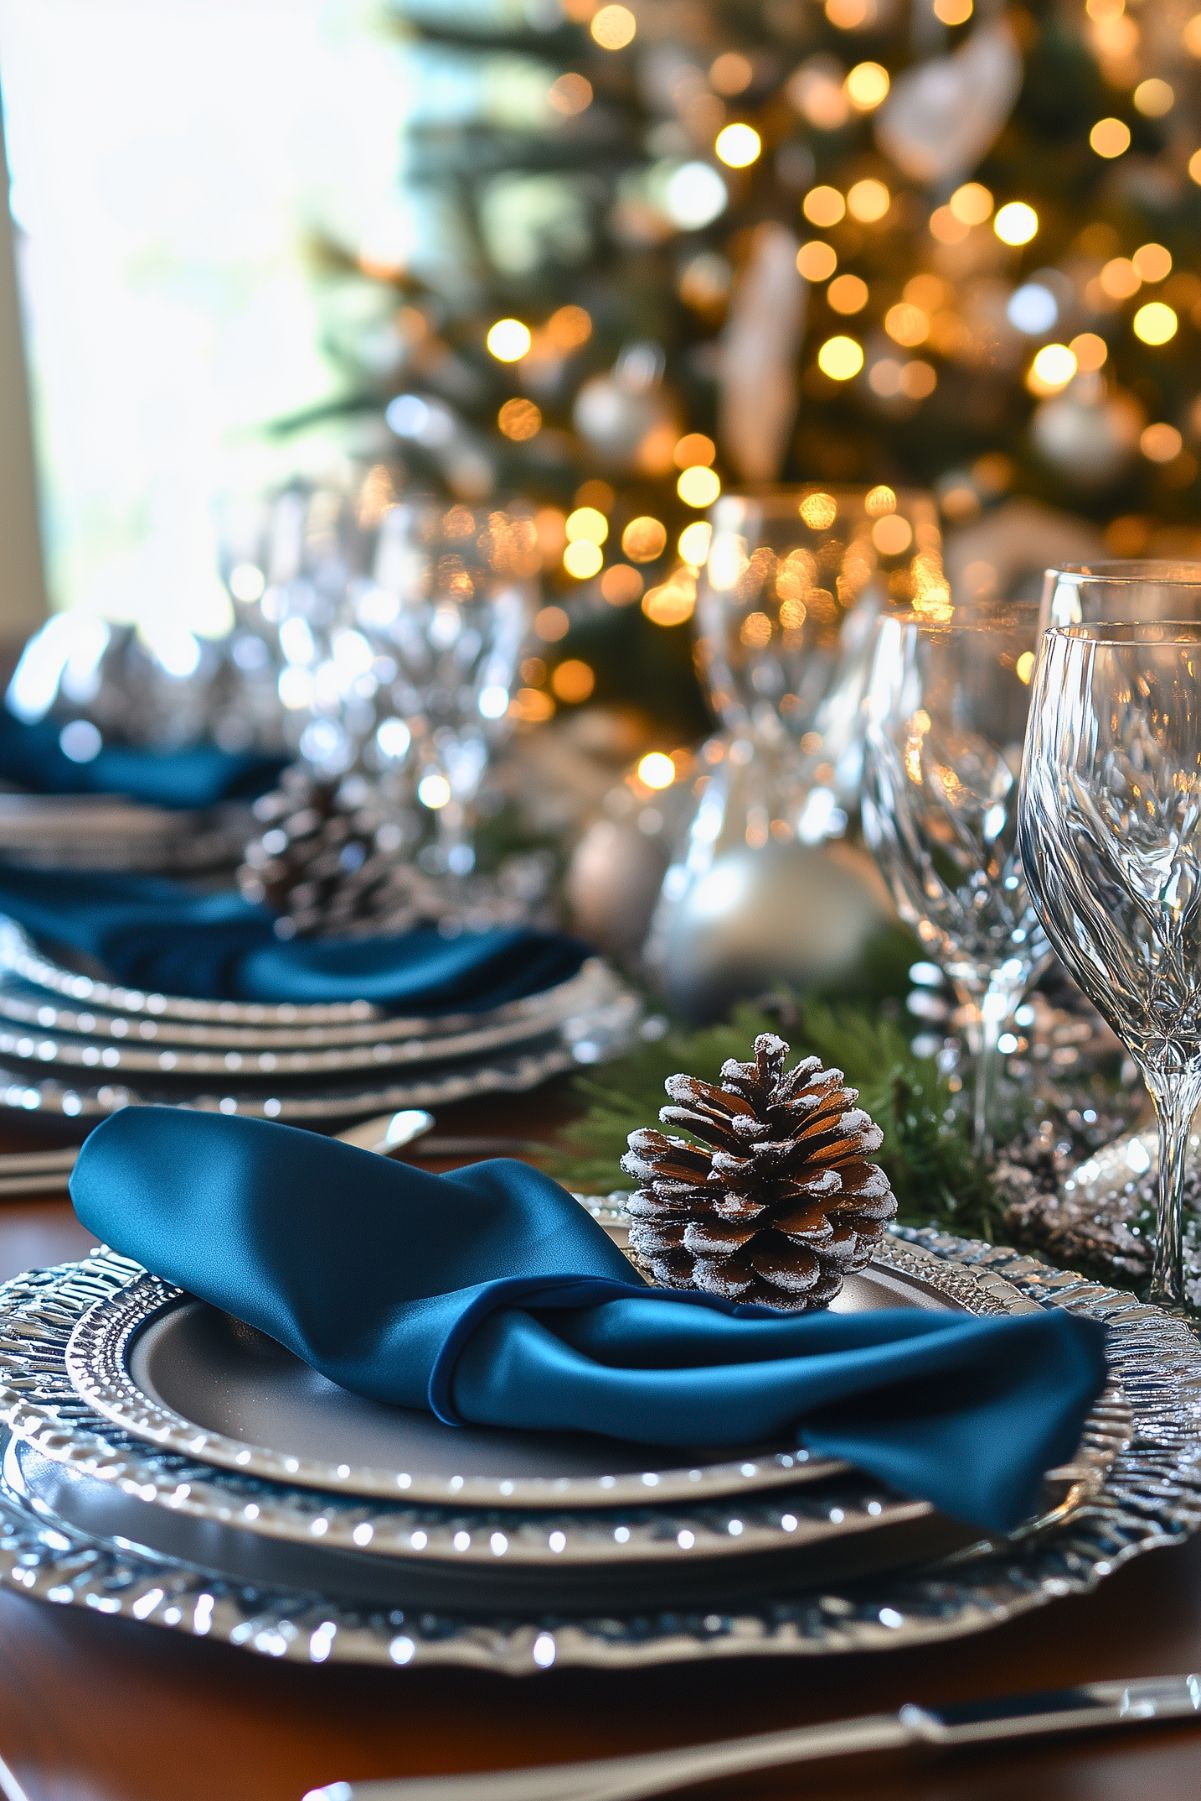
(1150, 1498)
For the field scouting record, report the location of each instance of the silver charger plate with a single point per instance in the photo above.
(182, 1376)
(21, 956)
(564, 1502)
(434, 1081)
(1150, 1496)
(38, 1011)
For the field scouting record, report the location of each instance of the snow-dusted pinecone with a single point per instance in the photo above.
(777, 1201)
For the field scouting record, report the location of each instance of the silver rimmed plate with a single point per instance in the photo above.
(1150, 1496)
(178, 1374)
(27, 1090)
(642, 1525)
(35, 1012)
(22, 957)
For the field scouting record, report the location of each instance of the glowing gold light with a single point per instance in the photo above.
(1119, 278)
(568, 327)
(1024, 667)
(866, 85)
(1015, 223)
(613, 27)
(824, 206)
(730, 73)
(1153, 261)
(738, 145)
(1155, 322)
(551, 624)
(1161, 443)
(880, 500)
(847, 294)
(1154, 97)
(694, 447)
(868, 200)
(656, 770)
(817, 261)
(972, 203)
(1109, 137)
(953, 12)
(589, 524)
(698, 486)
(620, 585)
(1053, 367)
(907, 324)
(519, 420)
(1090, 352)
(671, 603)
(570, 95)
(1194, 166)
(694, 542)
(918, 379)
(434, 792)
(596, 494)
(945, 228)
(1190, 37)
(583, 559)
(573, 681)
(644, 538)
(840, 357)
(819, 510)
(532, 706)
(892, 535)
(850, 15)
(509, 340)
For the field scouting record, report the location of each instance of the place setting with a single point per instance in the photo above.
(600, 901)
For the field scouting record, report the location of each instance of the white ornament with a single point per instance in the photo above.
(942, 116)
(1088, 437)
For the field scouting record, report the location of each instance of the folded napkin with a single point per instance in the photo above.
(492, 1296)
(197, 775)
(155, 933)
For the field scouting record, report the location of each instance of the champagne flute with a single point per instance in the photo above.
(1111, 843)
(946, 714)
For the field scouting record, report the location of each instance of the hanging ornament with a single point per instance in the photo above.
(758, 386)
(941, 117)
(777, 1201)
(627, 416)
(1089, 437)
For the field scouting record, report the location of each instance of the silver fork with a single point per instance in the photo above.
(1016, 1719)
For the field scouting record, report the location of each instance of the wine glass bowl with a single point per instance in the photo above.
(1111, 844)
(946, 715)
(1111, 593)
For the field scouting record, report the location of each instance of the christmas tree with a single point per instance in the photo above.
(676, 245)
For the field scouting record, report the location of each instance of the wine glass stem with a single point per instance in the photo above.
(994, 1009)
(1176, 1101)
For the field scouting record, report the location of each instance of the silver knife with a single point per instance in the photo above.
(1013, 1719)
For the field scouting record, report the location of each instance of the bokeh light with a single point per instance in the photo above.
(1155, 322)
(509, 340)
(1016, 222)
(738, 145)
(841, 358)
(613, 27)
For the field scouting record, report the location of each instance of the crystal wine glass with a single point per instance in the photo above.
(1111, 843)
(793, 584)
(1121, 592)
(946, 714)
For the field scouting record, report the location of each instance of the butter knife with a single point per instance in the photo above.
(1014, 1719)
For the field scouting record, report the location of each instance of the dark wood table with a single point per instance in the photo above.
(101, 1710)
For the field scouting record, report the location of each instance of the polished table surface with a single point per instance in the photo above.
(100, 1710)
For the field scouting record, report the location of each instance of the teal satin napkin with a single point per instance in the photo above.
(195, 775)
(154, 933)
(491, 1296)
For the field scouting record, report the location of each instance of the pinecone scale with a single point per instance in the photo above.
(772, 1197)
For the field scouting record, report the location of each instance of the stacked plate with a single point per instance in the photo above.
(75, 1047)
(107, 831)
(164, 1462)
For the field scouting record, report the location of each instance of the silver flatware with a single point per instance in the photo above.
(47, 1172)
(1019, 1719)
